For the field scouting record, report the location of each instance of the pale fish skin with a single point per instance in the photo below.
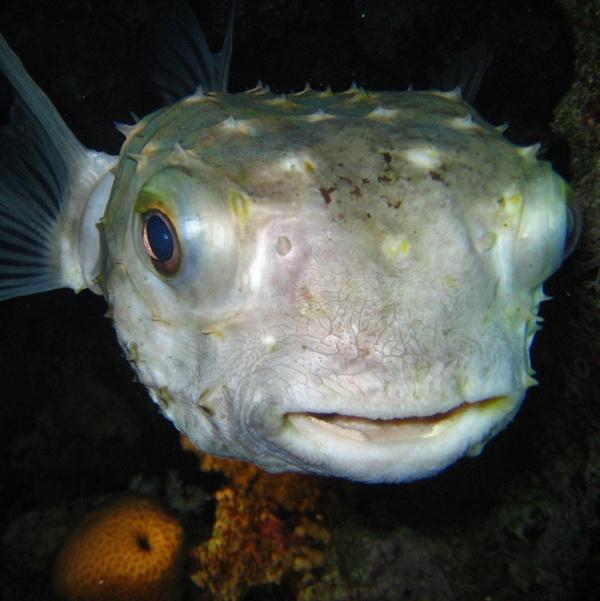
(357, 275)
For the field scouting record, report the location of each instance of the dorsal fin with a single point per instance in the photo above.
(465, 70)
(184, 61)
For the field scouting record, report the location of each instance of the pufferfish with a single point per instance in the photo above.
(344, 284)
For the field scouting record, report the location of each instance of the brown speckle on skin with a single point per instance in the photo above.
(326, 193)
(356, 192)
(387, 157)
(434, 175)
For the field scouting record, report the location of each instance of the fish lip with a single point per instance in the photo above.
(366, 429)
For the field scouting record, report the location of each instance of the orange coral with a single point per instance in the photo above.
(294, 492)
(267, 530)
(247, 548)
(127, 551)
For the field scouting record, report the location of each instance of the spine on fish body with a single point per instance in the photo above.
(53, 191)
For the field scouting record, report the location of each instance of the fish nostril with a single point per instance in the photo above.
(204, 402)
(206, 410)
(283, 245)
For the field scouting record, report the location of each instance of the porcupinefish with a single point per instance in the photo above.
(343, 284)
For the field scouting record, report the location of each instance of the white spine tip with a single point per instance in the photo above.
(455, 94)
(229, 123)
(529, 380)
(125, 129)
(319, 115)
(382, 113)
(530, 152)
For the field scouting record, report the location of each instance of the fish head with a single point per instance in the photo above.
(347, 292)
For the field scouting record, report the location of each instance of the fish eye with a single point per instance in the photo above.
(160, 242)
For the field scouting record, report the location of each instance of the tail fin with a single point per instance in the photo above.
(46, 180)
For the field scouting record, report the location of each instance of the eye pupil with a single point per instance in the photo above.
(160, 242)
(160, 238)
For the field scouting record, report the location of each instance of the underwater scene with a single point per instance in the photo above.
(204, 426)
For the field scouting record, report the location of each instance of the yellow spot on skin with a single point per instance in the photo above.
(164, 396)
(151, 199)
(239, 205)
(216, 331)
(463, 383)
(132, 352)
(300, 165)
(309, 167)
(514, 200)
(512, 203)
(394, 247)
(151, 148)
(451, 282)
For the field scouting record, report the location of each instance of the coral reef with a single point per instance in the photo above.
(268, 530)
(128, 550)
(578, 120)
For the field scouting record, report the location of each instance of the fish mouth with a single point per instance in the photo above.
(374, 430)
(398, 449)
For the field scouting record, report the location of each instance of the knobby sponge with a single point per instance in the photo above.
(129, 550)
